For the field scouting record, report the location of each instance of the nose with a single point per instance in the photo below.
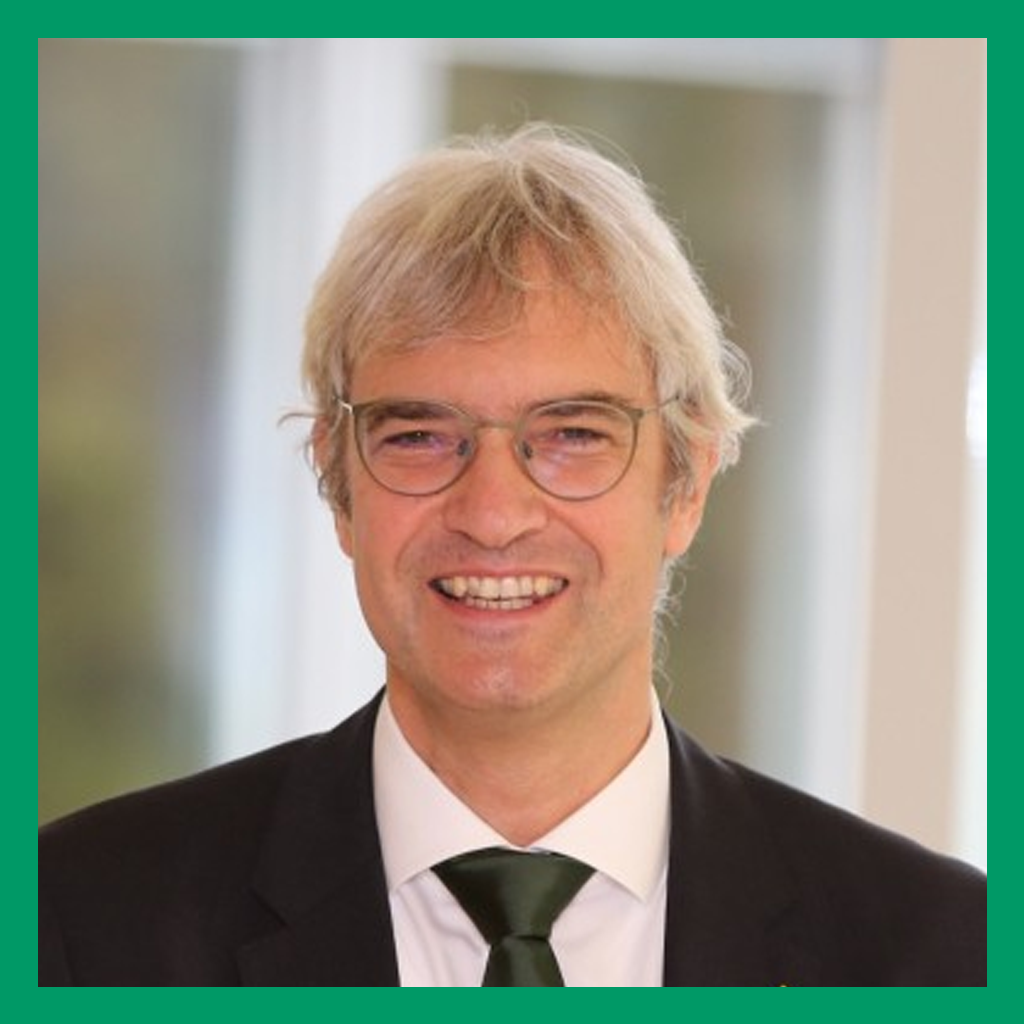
(494, 503)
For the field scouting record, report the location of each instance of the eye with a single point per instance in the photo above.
(416, 438)
(395, 440)
(405, 430)
(578, 429)
(580, 435)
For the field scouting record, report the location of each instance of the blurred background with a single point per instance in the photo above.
(831, 626)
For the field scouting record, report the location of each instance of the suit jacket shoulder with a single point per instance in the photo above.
(770, 886)
(262, 871)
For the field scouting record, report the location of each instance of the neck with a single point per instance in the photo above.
(524, 771)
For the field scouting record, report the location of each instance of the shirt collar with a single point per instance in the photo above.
(622, 831)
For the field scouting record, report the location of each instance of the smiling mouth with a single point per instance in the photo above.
(499, 593)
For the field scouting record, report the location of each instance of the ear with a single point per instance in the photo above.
(343, 531)
(319, 442)
(320, 445)
(687, 508)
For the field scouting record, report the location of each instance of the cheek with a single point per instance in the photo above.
(384, 532)
(626, 538)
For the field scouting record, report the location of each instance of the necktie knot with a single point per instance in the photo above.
(514, 898)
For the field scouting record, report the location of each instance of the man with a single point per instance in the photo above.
(520, 397)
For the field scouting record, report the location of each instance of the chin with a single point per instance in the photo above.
(501, 687)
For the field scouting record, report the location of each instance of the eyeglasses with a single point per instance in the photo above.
(570, 449)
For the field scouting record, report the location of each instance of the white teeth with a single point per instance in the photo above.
(507, 593)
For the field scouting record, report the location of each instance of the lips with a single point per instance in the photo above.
(499, 593)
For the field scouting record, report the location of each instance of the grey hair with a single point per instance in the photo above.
(441, 247)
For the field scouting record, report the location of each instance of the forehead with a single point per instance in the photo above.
(557, 346)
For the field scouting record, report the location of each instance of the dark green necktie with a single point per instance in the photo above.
(513, 898)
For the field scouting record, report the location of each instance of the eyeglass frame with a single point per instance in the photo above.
(476, 423)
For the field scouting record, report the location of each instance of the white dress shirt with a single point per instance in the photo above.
(611, 934)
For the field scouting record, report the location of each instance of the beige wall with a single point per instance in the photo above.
(932, 230)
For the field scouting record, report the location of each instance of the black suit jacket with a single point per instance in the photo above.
(268, 871)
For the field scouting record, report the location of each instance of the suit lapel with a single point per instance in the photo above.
(731, 904)
(320, 871)
(730, 899)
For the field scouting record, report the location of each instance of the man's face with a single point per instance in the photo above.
(585, 631)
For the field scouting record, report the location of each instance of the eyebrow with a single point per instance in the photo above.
(607, 397)
(408, 408)
(400, 408)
